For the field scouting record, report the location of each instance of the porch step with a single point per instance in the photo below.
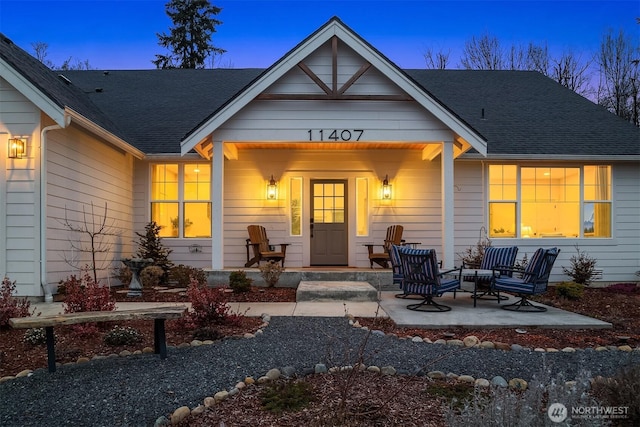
(310, 290)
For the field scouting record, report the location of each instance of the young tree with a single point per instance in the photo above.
(189, 40)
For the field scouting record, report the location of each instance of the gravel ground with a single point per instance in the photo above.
(136, 390)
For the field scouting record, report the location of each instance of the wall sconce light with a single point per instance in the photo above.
(272, 189)
(386, 188)
(17, 147)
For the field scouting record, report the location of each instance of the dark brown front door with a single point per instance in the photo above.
(329, 237)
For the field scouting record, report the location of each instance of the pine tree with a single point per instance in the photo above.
(150, 246)
(189, 39)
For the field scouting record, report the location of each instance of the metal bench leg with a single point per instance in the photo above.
(159, 338)
(51, 348)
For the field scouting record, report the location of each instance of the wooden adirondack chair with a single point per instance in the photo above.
(258, 242)
(394, 237)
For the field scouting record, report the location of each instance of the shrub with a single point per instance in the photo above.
(503, 406)
(623, 288)
(182, 274)
(208, 306)
(239, 282)
(10, 306)
(122, 273)
(207, 333)
(623, 390)
(583, 268)
(86, 295)
(472, 257)
(286, 396)
(122, 336)
(271, 272)
(570, 290)
(35, 336)
(151, 276)
(150, 246)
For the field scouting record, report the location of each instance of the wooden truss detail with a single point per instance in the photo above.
(334, 92)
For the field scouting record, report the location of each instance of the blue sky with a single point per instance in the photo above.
(121, 34)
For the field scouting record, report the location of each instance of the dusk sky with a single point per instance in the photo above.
(121, 34)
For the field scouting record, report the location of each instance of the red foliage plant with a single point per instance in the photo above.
(10, 306)
(208, 306)
(85, 294)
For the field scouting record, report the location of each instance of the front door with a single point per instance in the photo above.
(328, 228)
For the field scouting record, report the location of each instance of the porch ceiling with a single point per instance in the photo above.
(430, 150)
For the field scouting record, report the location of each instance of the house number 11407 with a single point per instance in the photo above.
(335, 134)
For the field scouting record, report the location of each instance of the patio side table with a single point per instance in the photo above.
(477, 274)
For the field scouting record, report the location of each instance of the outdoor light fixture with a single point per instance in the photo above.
(17, 148)
(272, 189)
(386, 188)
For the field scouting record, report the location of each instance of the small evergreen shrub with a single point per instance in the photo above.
(182, 274)
(122, 336)
(239, 282)
(583, 268)
(10, 306)
(208, 306)
(151, 276)
(271, 272)
(150, 246)
(570, 290)
(35, 336)
(286, 396)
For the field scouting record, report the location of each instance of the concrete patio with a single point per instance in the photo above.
(335, 303)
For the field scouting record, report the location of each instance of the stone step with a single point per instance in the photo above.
(316, 290)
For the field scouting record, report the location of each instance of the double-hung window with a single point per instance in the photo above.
(545, 202)
(181, 199)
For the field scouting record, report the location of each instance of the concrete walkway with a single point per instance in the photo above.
(486, 315)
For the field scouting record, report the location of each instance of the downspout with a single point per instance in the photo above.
(48, 297)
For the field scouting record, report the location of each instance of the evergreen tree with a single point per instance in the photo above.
(150, 246)
(189, 39)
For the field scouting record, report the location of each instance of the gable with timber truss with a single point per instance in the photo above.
(333, 88)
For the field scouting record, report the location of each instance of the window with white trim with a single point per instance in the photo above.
(181, 199)
(547, 202)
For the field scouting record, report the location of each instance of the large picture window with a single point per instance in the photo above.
(181, 199)
(545, 202)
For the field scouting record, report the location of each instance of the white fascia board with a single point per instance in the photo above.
(101, 132)
(32, 93)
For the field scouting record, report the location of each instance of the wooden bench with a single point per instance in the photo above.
(158, 314)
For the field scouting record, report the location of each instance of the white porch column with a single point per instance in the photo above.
(448, 255)
(217, 206)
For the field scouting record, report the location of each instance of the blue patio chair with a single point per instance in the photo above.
(533, 280)
(421, 276)
(493, 257)
(396, 268)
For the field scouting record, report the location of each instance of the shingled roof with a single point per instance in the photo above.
(57, 89)
(520, 113)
